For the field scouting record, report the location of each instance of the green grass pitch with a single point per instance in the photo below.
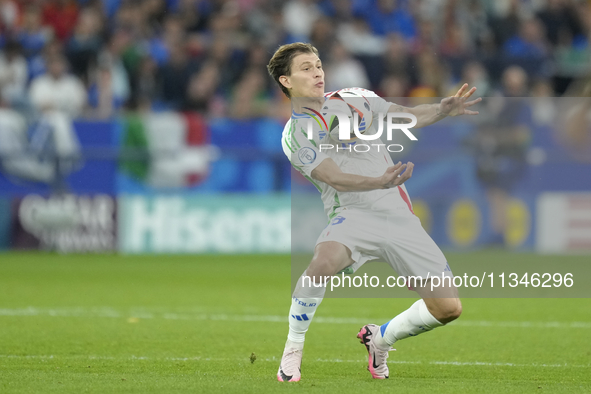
(177, 324)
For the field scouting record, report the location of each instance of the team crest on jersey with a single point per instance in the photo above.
(306, 155)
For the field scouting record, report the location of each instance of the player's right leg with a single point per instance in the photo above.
(435, 309)
(413, 254)
(329, 258)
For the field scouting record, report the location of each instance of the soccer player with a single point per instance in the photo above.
(369, 210)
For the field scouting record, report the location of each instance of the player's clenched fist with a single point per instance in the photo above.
(394, 175)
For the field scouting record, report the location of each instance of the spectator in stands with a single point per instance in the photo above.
(101, 95)
(61, 15)
(145, 85)
(365, 46)
(577, 131)
(32, 35)
(389, 16)
(584, 13)
(193, 15)
(426, 37)
(154, 11)
(299, 17)
(57, 90)
(529, 48)
(109, 90)
(58, 98)
(344, 70)
(257, 57)
(111, 58)
(573, 129)
(394, 87)
(265, 24)
(560, 18)
(131, 18)
(543, 102)
(85, 43)
(250, 98)
(505, 21)
(358, 38)
(397, 59)
(322, 35)
(432, 75)
(475, 20)
(18, 157)
(38, 63)
(228, 62)
(463, 28)
(172, 32)
(337, 10)
(529, 43)
(174, 76)
(13, 75)
(455, 42)
(227, 22)
(501, 147)
(9, 15)
(474, 73)
(201, 93)
(568, 30)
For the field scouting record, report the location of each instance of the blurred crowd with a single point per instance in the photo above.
(100, 57)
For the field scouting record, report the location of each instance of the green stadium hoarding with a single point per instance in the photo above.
(187, 223)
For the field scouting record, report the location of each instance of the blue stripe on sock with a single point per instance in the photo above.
(383, 328)
(305, 317)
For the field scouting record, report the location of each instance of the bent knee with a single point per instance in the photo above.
(448, 312)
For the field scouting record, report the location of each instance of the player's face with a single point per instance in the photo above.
(307, 76)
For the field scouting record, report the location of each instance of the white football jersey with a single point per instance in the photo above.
(306, 154)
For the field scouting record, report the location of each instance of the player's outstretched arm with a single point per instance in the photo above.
(428, 114)
(330, 173)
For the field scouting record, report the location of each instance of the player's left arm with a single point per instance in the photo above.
(428, 114)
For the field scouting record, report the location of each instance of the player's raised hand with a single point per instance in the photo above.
(394, 175)
(457, 104)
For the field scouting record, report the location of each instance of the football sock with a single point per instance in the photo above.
(414, 321)
(306, 298)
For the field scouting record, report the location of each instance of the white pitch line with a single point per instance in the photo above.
(274, 359)
(106, 312)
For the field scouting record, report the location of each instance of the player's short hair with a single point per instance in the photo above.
(280, 63)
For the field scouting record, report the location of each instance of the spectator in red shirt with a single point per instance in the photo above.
(62, 16)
